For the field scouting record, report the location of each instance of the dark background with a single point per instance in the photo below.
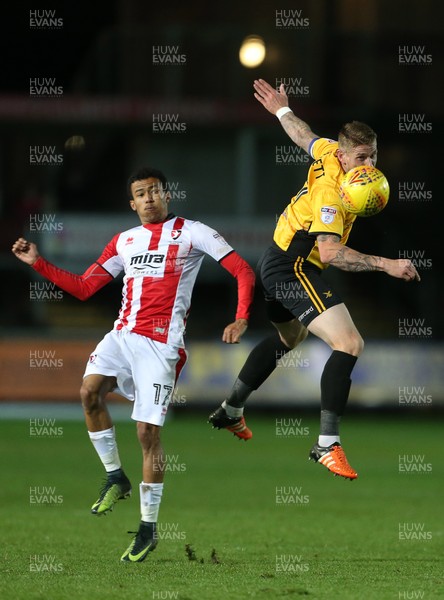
(348, 56)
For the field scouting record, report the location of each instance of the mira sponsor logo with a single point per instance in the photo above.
(291, 156)
(414, 328)
(291, 428)
(413, 463)
(286, 495)
(413, 531)
(414, 55)
(148, 258)
(45, 19)
(44, 563)
(44, 223)
(413, 191)
(292, 18)
(414, 396)
(44, 87)
(294, 86)
(290, 563)
(168, 123)
(168, 55)
(417, 257)
(413, 123)
(44, 155)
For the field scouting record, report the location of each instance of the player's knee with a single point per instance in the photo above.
(89, 397)
(354, 345)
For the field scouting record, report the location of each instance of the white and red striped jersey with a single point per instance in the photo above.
(161, 262)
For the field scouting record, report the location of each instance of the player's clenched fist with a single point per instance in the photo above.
(25, 251)
(403, 269)
(408, 269)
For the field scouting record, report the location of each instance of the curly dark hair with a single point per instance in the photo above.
(145, 173)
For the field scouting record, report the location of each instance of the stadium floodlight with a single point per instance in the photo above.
(252, 51)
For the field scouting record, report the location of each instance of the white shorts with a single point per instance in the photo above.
(146, 371)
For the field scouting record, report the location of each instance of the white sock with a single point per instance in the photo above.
(328, 440)
(150, 497)
(233, 411)
(106, 447)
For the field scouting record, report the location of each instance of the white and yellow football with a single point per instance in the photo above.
(364, 191)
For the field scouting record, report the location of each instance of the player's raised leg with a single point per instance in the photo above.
(261, 362)
(101, 431)
(336, 328)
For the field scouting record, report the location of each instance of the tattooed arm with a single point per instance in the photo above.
(299, 132)
(334, 253)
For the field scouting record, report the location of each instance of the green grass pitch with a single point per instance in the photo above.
(260, 520)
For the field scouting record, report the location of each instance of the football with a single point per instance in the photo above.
(364, 191)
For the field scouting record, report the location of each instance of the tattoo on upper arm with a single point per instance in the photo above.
(325, 237)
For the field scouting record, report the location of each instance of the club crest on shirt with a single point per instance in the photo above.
(176, 233)
(328, 214)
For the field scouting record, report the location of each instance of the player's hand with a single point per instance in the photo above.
(403, 269)
(25, 251)
(234, 331)
(269, 97)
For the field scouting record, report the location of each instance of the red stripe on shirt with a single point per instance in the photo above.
(156, 234)
(125, 311)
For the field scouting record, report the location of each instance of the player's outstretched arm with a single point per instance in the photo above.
(79, 286)
(273, 100)
(334, 253)
(25, 251)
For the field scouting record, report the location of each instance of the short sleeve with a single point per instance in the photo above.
(320, 146)
(110, 258)
(328, 214)
(208, 240)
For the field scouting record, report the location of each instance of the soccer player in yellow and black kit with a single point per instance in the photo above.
(311, 234)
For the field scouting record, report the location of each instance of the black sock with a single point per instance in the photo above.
(259, 365)
(329, 423)
(336, 382)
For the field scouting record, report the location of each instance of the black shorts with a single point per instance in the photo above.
(293, 288)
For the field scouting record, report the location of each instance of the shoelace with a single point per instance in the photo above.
(340, 457)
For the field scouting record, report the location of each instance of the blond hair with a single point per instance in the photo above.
(355, 134)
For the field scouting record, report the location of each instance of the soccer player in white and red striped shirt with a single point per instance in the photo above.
(142, 357)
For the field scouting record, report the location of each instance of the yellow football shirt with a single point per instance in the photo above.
(316, 208)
